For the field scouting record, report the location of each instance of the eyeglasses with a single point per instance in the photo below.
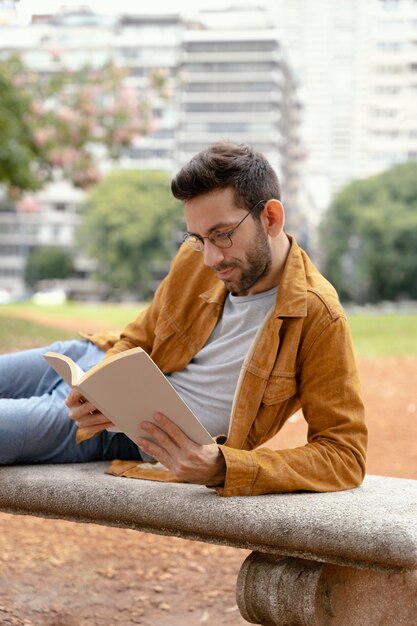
(219, 239)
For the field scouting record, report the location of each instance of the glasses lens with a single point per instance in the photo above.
(193, 242)
(221, 240)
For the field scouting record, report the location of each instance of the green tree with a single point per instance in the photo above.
(129, 227)
(19, 150)
(47, 263)
(369, 237)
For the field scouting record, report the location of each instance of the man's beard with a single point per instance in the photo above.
(257, 264)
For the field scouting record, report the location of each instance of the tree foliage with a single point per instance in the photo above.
(369, 237)
(52, 124)
(129, 227)
(47, 263)
(20, 155)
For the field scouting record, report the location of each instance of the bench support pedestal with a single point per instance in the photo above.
(287, 591)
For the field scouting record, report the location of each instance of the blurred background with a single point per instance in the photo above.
(101, 103)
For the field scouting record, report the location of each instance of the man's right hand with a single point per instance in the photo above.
(89, 419)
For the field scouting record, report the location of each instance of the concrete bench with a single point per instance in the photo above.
(346, 558)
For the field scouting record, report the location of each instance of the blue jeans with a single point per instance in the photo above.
(34, 422)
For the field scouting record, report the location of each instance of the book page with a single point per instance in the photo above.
(65, 367)
(129, 388)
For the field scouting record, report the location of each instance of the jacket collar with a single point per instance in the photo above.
(292, 292)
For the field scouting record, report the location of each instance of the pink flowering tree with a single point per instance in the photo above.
(64, 122)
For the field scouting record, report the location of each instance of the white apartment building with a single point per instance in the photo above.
(234, 84)
(324, 40)
(355, 61)
(388, 107)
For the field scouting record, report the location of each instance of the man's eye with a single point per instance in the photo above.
(219, 235)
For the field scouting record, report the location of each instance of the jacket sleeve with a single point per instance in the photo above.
(334, 456)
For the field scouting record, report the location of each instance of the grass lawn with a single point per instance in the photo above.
(16, 334)
(373, 335)
(384, 335)
(113, 315)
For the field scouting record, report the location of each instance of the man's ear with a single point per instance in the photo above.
(274, 217)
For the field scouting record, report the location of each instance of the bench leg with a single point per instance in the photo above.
(276, 591)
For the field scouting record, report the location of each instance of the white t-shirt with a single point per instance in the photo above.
(209, 381)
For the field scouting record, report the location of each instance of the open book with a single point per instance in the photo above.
(129, 388)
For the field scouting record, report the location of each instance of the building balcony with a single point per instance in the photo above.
(190, 78)
(215, 56)
(266, 138)
(189, 118)
(185, 97)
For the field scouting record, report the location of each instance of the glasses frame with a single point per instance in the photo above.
(196, 242)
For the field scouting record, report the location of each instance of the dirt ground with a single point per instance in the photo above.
(55, 573)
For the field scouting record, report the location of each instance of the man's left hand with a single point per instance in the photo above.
(191, 462)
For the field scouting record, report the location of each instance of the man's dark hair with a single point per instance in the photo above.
(224, 165)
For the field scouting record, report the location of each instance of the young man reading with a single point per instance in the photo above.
(248, 332)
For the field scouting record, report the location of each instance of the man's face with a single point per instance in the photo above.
(249, 259)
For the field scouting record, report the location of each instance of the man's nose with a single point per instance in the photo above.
(212, 254)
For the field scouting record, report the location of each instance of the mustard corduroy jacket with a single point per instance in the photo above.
(302, 357)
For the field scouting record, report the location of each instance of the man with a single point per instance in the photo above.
(248, 332)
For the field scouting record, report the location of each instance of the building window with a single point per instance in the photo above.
(388, 89)
(231, 46)
(228, 107)
(10, 272)
(231, 67)
(9, 250)
(143, 153)
(390, 4)
(384, 112)
(230, 87)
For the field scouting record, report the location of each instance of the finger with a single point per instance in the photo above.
(94, 419)
(74, 397)
(78, 411)
(175, 433)
(160, 436)
(154, 450)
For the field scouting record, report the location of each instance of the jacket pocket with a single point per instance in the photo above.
(165, 346)
(280, 387)
(164, 329)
